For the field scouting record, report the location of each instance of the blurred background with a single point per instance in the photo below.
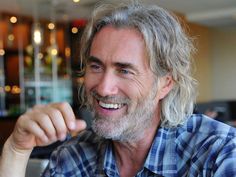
(39, 53)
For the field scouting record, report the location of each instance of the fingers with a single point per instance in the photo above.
(80, 125)
(45, 124)
(33, 128)
(67, 113)
(56, 121)
(71, 122)
(62, 118)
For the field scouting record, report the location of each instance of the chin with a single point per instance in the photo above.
(116, 131)
(105, 128)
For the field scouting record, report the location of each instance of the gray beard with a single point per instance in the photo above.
(128, 128)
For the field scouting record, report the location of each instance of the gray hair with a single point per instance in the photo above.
(168, 47)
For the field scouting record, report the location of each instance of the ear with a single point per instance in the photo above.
(166, 83)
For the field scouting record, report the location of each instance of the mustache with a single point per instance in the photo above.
(111, 98)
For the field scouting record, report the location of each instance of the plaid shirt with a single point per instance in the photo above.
(201, 147)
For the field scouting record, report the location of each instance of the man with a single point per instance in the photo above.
(139, 88)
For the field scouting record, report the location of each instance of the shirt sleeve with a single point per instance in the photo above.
(226, 160)
(50, 170)
(61, 162)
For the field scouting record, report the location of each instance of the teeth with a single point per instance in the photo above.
(110, 105)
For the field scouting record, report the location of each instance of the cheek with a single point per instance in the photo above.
(89, 81)
(141, 87)
(133, 89)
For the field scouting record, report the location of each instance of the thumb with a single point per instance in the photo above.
(79, 126)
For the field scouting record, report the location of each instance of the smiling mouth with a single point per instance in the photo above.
(111, 106)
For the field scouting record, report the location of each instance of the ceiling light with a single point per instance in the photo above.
(37, 37)
(51, 26)
(7, 88)
(74, 30)
(37, 34)
(75, 1)
(54, 52)
(40, 55)
(13, 19)
(11, 37)
(67, 52)
(15, 89)
(2, 52)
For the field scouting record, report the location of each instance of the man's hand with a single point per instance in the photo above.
(40, 126)
(43, 125)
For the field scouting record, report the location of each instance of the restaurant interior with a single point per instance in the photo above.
(39, 57)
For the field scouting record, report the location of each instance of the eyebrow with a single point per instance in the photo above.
(116, 64)
(126, 65)
(94, 59)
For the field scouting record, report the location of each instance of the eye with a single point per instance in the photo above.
(124, 71)
(94, 67)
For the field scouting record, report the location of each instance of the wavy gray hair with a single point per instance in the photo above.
(167, 45)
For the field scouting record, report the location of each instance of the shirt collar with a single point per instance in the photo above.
(106, 160)
(161, 159)
(109, 164)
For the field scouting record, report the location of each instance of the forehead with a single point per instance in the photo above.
(119, 44)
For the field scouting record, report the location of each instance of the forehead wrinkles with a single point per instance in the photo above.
(120, 42)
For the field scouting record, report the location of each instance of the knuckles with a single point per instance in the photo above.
(43, 115)
(55, 113)
(43, 124)
(63, 105)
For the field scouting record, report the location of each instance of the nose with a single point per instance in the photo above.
(107, 85)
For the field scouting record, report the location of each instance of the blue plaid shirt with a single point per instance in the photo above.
(201, 147)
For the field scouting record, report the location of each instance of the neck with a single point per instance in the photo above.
(131, 156)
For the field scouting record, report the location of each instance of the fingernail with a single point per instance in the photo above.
(72, 125)
(83, 124)
(62, 137)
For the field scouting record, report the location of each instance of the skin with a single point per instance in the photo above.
(105, 73)
(45, 124)
(118, 67)
(40, 126)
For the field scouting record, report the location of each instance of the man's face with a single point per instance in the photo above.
(119, 84)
